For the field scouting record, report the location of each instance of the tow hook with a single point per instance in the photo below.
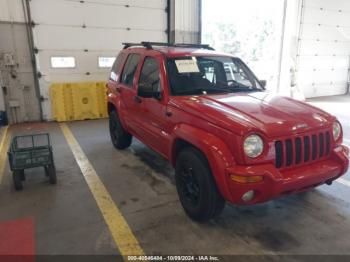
(329, 182)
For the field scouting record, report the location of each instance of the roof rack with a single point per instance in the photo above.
(149, 45)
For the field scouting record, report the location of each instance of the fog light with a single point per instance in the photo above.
(248, 196)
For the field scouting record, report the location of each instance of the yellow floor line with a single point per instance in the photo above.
(119, 228)
(4, 145)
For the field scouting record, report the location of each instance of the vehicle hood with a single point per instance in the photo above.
(259, 111)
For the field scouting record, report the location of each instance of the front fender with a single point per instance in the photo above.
(216, 151)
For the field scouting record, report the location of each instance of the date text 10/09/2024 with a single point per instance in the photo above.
(173, 258)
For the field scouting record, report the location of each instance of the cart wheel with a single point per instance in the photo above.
(23, 176)
(46, 171)
(52, 174)
(17, 180)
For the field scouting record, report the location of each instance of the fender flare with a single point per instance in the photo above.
(215, 150)
(115, 102)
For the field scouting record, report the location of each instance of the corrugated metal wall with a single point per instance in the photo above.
(11, 11)
(18, 85)
(186, 21)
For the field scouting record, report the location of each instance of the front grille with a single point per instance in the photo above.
(302, 149)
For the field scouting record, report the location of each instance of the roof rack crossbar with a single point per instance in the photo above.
(149, 45)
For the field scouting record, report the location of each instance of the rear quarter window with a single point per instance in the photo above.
(130, 69)
(117, 66)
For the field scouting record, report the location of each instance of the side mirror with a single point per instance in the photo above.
(146, 91)
(263, 83)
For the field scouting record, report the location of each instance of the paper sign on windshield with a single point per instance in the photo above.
(187, 66)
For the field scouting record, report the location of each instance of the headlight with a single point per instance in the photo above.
(253, 146)
(336, 131)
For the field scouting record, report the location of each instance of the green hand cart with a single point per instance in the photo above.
(29, 151)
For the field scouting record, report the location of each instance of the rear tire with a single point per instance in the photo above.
(196, 186)
(121, 139)
(17, 179)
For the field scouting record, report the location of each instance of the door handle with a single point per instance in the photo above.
(118, 89)
(137, 99)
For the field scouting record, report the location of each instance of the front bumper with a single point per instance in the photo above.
(296, 179)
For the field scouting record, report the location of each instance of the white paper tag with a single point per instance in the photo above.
(187, 66)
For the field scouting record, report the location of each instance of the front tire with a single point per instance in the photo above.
(121, 139)
(196, 187)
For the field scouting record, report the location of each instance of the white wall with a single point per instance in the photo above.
(11, 11)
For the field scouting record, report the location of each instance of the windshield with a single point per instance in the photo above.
(198, 75)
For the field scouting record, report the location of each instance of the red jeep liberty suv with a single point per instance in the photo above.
(228, 139)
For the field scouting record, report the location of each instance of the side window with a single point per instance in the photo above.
(149, 79)
(116, 67)
(130, 69)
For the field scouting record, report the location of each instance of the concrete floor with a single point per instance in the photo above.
(141, 183)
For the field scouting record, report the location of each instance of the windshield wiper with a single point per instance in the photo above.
(201, 91)
(219, 89)
(238, 87)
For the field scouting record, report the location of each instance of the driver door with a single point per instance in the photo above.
(152, 109)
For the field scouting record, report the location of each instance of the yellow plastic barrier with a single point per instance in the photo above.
(78, 101)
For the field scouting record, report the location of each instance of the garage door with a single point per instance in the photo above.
(78, 40)
(324, 47)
